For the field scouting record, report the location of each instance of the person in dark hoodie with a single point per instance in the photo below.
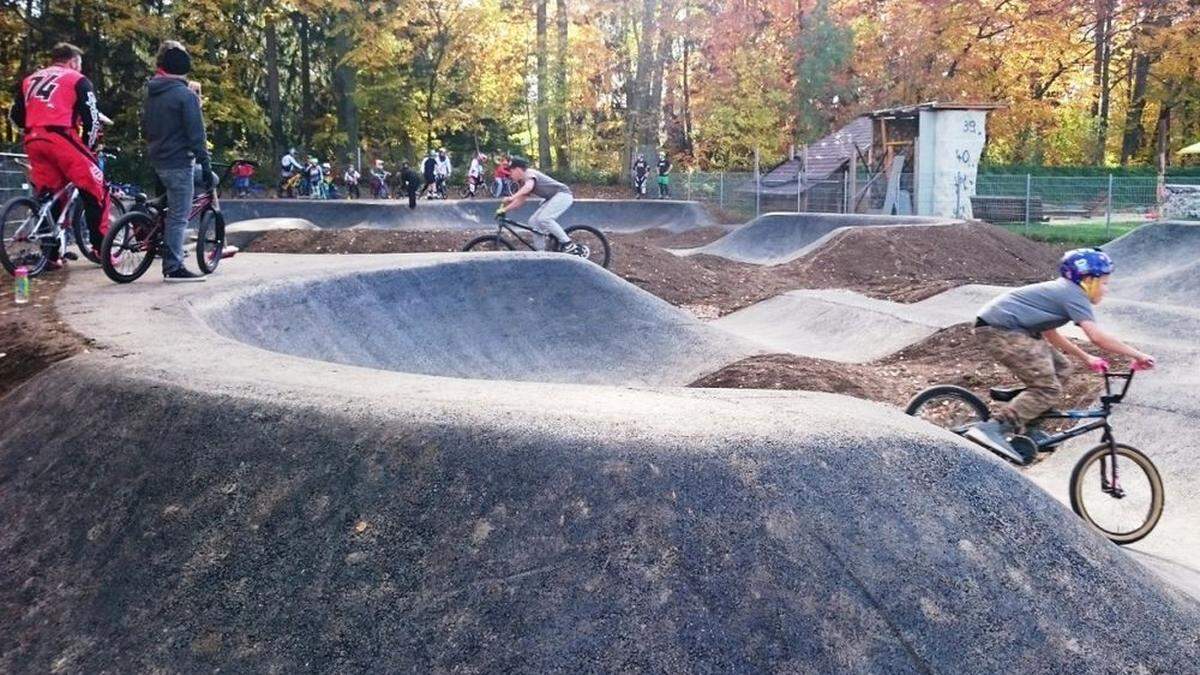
(174, 129)
(410, 182)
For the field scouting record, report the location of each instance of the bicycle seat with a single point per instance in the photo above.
(1004, 393)
(157, 202)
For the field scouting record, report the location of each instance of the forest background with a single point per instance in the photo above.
(577, 85)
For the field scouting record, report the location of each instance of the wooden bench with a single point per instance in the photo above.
(1006, 209)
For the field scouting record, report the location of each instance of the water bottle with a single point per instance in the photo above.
(21, 285)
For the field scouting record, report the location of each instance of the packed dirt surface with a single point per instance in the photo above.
(361, 241)
(951, 356)
(32, 336)
(901, 264)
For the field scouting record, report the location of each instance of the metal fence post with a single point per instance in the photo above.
(722, 198)
(799, 180)
(1108, 208)
(1028, 197)
(757, 186)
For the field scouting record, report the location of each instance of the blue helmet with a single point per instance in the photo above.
(1085, 262)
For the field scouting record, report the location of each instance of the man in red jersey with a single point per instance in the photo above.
(53, 105)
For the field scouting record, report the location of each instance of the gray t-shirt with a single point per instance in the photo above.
(1039, 307)
(544, 186)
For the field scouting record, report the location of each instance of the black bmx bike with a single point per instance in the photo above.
(1114, 487)
(594, 245)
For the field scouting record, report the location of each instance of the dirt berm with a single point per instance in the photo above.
(212, 505)
(610, 215)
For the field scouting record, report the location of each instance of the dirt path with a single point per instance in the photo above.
(32, 336)
(950, 356)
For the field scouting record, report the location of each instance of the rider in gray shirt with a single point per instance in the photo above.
(558, 199)
(1020, 330)
(1038, 308)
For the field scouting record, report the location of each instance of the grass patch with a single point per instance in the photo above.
(1072, 234)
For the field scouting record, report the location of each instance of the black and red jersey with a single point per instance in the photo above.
(58, 97)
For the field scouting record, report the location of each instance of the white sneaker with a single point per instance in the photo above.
(573, 248)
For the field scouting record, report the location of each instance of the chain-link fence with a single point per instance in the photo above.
(1025, 199)
(13, 178)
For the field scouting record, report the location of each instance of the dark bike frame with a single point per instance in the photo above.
(1109, 480)
(156, 208)
(1100, 414)
(505, 223)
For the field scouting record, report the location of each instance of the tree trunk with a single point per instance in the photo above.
(561, 95)
(441, 38)
(345, 82)
(27, 48)
(687, 98)
(641, 81)
(1102, 56)
(305, 79)
(1163, 144)
(1132, 139)
(274, 107)
(655, 104)
(543, 89)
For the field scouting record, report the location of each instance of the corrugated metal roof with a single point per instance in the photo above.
(934, 105)
(825, 157)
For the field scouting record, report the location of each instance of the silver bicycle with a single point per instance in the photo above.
(33, 230)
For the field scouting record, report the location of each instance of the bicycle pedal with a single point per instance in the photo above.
(70, 255)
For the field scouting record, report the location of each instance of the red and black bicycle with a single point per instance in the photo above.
(136, 238)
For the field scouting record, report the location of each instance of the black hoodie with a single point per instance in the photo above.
(173, 124)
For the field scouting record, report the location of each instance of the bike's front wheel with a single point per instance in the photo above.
(599, 251)
(23, 239)
(79, 227)
(949, 407)
(210, 240)
(490, 242)
(1118, 491)
(129, 247)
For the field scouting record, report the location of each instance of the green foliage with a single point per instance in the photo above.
(393, 79)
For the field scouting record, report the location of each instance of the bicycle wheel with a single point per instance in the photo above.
(22, 236)
(79, 228)
(949, 407)
(490, 242)
(599, 251)
(1122, 497)
(210, 240)
(129, 247)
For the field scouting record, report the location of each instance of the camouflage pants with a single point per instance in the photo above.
(1039, 366)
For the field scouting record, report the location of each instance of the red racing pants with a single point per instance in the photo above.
(58, 156)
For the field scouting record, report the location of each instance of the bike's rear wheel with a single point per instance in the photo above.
(599, 251)
(129, 247)
(490, 242)
(1121, 497)
(949, 407)
(79, 228)
(23, 239)
(210, 240)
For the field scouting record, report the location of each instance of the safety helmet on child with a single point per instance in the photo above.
(1080, 263)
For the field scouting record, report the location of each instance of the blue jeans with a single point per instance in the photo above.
(180, 191)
